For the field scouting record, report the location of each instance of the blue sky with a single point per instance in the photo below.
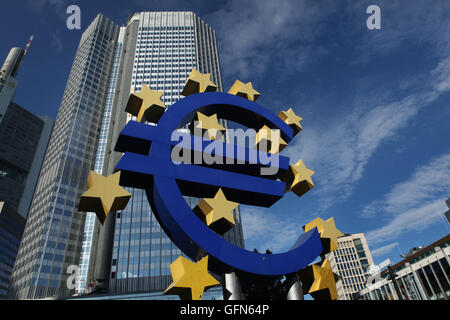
(375, 103)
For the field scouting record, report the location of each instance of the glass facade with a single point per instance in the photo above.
(168, 45)
(20, 132)
(81, 284)
(435, 280)
(424, 277)
(12, 225)
(212, 294)
(160, 49)
(53, 234)
(142, 252)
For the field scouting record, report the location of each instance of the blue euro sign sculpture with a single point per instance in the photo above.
(147, 164)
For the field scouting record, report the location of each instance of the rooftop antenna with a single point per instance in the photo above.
(14, 60)
(28, 45)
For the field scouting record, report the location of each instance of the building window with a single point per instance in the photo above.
(425, 284)
(446, 267)
(441, 278)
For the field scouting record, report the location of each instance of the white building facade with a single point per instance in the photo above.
(422, 276)
(351, 261)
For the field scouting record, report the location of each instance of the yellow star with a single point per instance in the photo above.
(298, 179)
(266, 136)
(319, 281)
(146, 105)
(104, 194)
(244, 90)
(328, 233)
(217, 212)
(190, 279)
(210, 124)
(198, 82)
(291, 119)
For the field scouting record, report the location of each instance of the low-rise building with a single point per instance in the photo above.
(423, 275)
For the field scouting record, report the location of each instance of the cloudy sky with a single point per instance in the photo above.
(375, 103)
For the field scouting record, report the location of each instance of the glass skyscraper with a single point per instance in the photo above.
(53, 233)
(159, 49)
(99, 163)
(156, 48)
(23, 140)
(24, 137)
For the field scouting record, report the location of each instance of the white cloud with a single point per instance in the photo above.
(413, 220)
(57, 42)
(415, 21)
(256, 36)
(441, 76)
(384, 250)
(413, 205)
(264, 230)
(340, 152)
(340, 149)
(57, 6)
(428, 183)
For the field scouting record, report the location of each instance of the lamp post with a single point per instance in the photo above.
(392, 276)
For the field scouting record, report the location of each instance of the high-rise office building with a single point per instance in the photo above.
(53, 233)
(158, 49)
(23, 140)
(131, 252)
(8, 76)
(101, 159)
(351, 261)
(12, 225)
(8, 81)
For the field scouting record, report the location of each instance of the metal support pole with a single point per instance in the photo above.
(437, 280)
(232, 287)
(439, 249)
(419, 286)
(293, 287)
(443, 271)
(104, 253)
(405, 285)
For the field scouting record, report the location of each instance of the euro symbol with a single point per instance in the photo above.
(147, 164)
